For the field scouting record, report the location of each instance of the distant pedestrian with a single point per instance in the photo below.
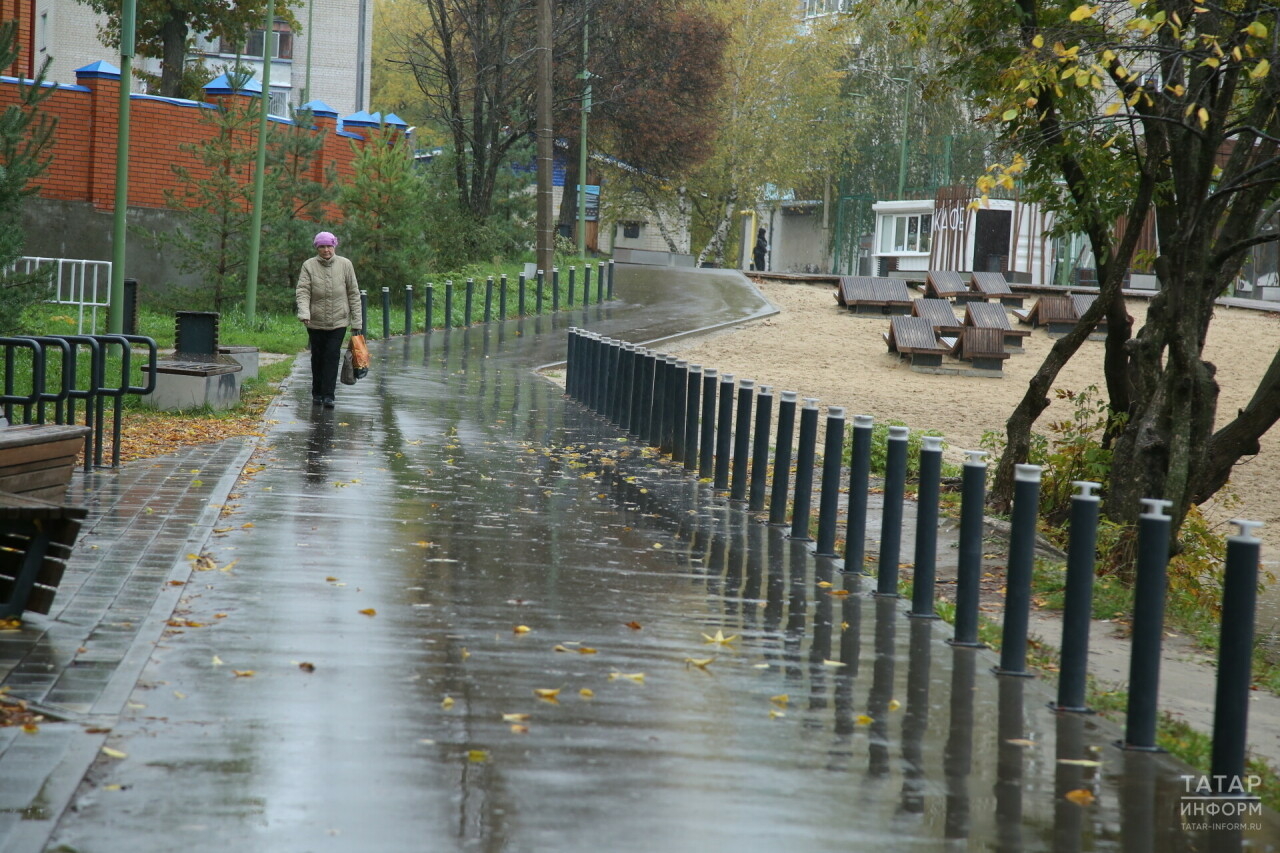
(328, 299)
(762, 246)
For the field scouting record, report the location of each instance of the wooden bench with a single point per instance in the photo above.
(991, 315)
(1056, 313)
(868, 295)
(940, 315)
(36, 460)
(993, 285)
(982, 348)
(944, 284)
(914, 338)
(36, 539)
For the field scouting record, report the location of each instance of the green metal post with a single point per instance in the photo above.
(115, 311)
(259, 173)
(582, 149)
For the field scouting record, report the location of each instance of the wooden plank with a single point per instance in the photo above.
(24, 435)
(25, 454)
(991, 284)
(986, 315)
(913, 334)
(984, 343)
(941, 284)
(939, 313)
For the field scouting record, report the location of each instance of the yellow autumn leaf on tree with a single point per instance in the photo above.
(1257, 29)
(1038, 41)
(1111, 109)
(1009, 114)
(1203, 115)
(1262, 69)
(1083, 11)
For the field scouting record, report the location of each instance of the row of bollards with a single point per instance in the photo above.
(604, 290)
(691, 413)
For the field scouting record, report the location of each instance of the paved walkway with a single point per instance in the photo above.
(347, 665)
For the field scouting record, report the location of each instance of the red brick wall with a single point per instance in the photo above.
(83, 167)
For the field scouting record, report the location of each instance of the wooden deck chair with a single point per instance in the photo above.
(914, 338)
(1082, 302)
(1056, 313)
(944, 284)
(993, 285)
(983, 348)
(940, 315)
(991, 315)
(867, 295)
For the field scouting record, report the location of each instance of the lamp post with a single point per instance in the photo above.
(259, 173)
(582, 149)
(115, 310)
(906, 115)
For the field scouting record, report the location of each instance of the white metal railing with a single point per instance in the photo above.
(82, 283)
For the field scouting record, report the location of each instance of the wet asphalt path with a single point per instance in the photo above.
(351, 670)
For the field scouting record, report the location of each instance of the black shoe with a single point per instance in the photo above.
(328, 402)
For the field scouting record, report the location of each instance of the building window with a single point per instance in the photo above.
(282, 38)
(912, 232)
(631, 230)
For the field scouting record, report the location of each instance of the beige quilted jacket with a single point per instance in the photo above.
(328, 295)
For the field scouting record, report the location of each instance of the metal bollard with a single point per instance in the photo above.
(926, 555)
(471, 292)
(1148, 625)
(595, 351)
(571, 356)
(521, 303)
(448, 304)
(647, 378)
(760, 450)
(973, 498)
(627, 365)
(555, 288)
(612, 268)
(1021, 562)
(678, 402)
(613, 381)
(661, 397)
(386, 313)
(408, 310)
(637, 392)
(1235, 659)
(600, 283)
(488, 299)
(806, 456)
(855, 537)
(541, 277)
(693, 399)
(724, 434)
(829, 499)
(586, 285)
(706, 444)
(502, 297)
(742, 441)
(1077, 606)
(430, 298)
(364, 311)
(572, 274)
(782, 459)
(895, 481)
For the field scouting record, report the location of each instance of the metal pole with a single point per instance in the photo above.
(448, 304)
(973, 497)
(1021, 563)
(364, 310)
(386, 313)
(706, 446)
(600, 283)
(430, 306)
(1235, 659)
(626, 391)
(555, 288)
(1148, 625)
(724, 434)
(648, 365)
(502, 297)
(760, 450)
(471, 291)
(119, 228)
(582, 151)
(260, 170)
(679, 400)
(612, 268)
(782, 459)
(693, 398)
(541, 276)
(742, 440)
(926, 555)
(408, 310)
(572, 283)
(855, 537)
(805, 459)
(586, 285)
(488, 299)
(829, 500)
(895, 480)
(521, 302)
(1077, 607)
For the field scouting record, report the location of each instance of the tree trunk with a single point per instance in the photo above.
(174, 36)
(1240, 437)
(715, 246)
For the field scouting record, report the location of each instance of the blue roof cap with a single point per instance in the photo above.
(104, 70)
(361, 119)
(221, 85)
(394, 120)
(319, 108)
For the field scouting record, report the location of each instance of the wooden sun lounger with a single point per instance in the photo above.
(36, 539)
(991, 315)
(983, 348)
(1056, 313)
(940, 315)
(992, 284)
(914, 338)
(1082, 302)
(944, 284)
(868, 295)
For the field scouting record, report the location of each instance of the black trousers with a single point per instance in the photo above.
(326, 352)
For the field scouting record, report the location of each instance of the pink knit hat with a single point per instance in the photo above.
(324, 238)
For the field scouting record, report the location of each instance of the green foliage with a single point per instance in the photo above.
(879, 447)
(454, 237)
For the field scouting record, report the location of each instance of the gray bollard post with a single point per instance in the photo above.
(742, 440)
(614, 380)
(572, 283)
(595, 370)
(1235, 662)
(806, 455)
(636, 415)
(653, 433)
(600, 283)
(586, 285)
(829, 498)
(782, 459)
(502, 297)
(724, 434)
(448, 304)
(626, 386)
(663, 435)
(612, 268)
(1077, 606)
(386, 313)
(572, 374)
(973, 499)
(488, 299)
(679, 400)
(1149, 587)
(364, 311)
(521, 292)
(469, 301)
(855, 537)
(926, 553)
(555, 288)
(408, 310)
(895, 484)
(648, 380)
(692, 400)
(1021, 562)
(760, 450)
(537, 302)
(430, 299)
(706, 443)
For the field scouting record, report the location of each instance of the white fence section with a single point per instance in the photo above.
(80, 283)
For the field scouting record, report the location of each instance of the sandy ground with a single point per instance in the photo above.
(817, 348)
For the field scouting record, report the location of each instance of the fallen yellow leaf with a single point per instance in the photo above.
(521, 629)
(833, 663)
(774, 714)
(113, 753)
(1020, 741)
(243, 673)
(1080, 796)
(217, 661)
(515, 718)
(477, 756)
(781, 699)
(637, 677)
(586, 693)
(446, 703)
(369, 611)
(863, 720)
(719, 639)
(586, 650)
(894, 704)
(700, 663)
(520, 729)
(634, 626)
(1080, 762)
(546, 693)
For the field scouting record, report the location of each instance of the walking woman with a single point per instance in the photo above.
(328, 299)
